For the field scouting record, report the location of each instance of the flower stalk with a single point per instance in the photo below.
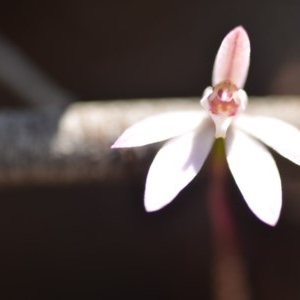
(229, 274)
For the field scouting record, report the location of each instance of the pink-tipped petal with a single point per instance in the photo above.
(233, 58)
(277, 134)
(158, 128)
(256, 175)
(176, 164)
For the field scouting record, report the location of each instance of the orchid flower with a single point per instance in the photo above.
(191, 136)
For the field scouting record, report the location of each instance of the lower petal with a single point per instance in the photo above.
(277, 134)
(176, 164)
(256, 174)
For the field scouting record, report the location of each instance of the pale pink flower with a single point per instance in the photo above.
(192, 134)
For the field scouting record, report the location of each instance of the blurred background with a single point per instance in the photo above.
(94, 240)
(117, 49)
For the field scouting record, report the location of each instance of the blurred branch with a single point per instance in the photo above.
(59, 146)
(24, 79)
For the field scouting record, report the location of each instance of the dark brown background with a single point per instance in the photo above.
(94, 241)
(121, 49)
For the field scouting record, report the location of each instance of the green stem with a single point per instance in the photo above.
(229, 274)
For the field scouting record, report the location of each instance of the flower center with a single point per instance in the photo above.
(224, 100)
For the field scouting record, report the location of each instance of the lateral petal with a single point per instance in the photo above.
(158, 128)
(277, 134)
(233, 58)
(176, 164)
(256, 174)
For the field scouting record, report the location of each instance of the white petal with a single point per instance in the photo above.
(256, 175)
(233, 58)
(158, 128)
(176, 164)
(277, 134)
(243, 98)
